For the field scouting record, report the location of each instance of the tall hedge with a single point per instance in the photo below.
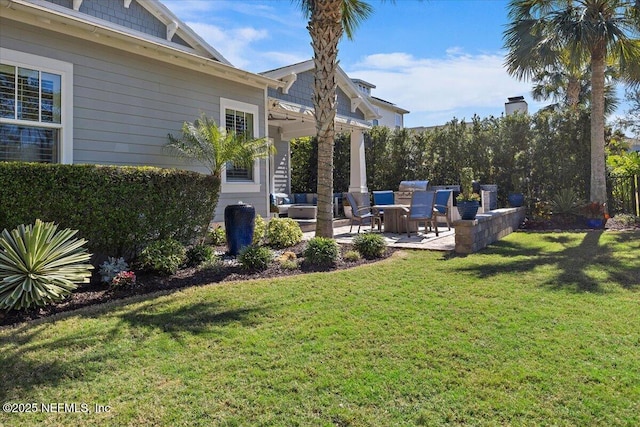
(119, 210)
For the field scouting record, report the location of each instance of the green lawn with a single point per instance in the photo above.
(538, 329)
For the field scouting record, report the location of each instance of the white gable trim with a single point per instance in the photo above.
(344, 82)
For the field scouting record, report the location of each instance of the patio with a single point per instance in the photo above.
(444, 242)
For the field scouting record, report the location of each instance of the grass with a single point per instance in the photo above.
(538, 329)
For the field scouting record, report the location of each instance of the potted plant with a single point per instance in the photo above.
(595, 214)
(515, 197)
(468, 201)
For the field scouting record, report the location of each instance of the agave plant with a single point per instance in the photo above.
(565, 202)
(39, 265)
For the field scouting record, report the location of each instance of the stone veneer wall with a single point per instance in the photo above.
(471, 236)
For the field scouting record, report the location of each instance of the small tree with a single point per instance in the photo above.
(214, 147)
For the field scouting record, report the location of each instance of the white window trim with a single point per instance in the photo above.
(235, 186)
(65, 70)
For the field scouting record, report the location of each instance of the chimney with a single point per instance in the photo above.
(516, 103)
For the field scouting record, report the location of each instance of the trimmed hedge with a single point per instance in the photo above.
(119, 210)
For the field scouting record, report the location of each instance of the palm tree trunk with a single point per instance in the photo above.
(325, 28)
(598, 172)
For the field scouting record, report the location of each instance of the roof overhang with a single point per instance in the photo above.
(389, 105)
(295, 120)
(67, 21)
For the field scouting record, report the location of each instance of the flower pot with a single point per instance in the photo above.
(516, 199)
(468, 209)
(239, 224)
(595, 223)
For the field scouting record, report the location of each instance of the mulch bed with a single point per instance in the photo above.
(98, 293)
(575, 223)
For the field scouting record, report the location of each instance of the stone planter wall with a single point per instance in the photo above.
(471, 236)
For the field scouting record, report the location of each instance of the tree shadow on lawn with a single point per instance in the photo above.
(572, 262)
(85, 354)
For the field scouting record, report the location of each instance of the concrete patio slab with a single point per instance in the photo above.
(425, 241)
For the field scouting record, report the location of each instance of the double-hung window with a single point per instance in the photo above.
(241, 118)
(35, 108)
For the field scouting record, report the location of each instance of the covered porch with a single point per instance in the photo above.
(288, 121)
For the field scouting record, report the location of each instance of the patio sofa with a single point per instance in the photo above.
(283, 203)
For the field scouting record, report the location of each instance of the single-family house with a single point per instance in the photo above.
(105, 82)
(390, 114)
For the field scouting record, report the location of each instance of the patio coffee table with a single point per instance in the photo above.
(303, 211)
(393, 222)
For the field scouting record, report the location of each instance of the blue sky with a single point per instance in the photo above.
(438, 59)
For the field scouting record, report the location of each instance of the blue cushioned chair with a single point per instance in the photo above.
(361, 214)
(422, 210)
(441, 207)
(384, 197)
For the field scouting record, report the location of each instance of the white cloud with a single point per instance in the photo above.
(235, 44)
(439, 89)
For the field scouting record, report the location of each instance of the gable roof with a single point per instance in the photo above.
(288, 75)
(198, 56)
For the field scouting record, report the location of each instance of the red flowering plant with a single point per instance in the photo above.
(595, 210)
(124, 278)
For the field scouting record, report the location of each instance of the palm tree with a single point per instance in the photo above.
(595, 30)
(569, 86)
(328, 21)
(215, 147)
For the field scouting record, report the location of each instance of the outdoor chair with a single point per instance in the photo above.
(362, 214)
(384, 197)
(421, 210)
(441, 207)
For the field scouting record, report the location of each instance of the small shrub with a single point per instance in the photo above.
(214, 264)
(163, 256)
(321, 251)
(259, 230)
(217, 237)
(352, 256)
(283, 233)
(369, 245)
(110, 268)
(198, 254)
(255, 258)
(40, 265)
(288, 256)
(626, 220)
(288, 260)
(124, 279)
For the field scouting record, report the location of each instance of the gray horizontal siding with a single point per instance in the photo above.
(126, 105)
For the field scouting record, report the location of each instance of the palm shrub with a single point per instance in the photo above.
(283, 233)
(255, 258)
(321, 251)
(369, 245)
(39, 265)
(163, 256)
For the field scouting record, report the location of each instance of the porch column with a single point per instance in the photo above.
(358, 176)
